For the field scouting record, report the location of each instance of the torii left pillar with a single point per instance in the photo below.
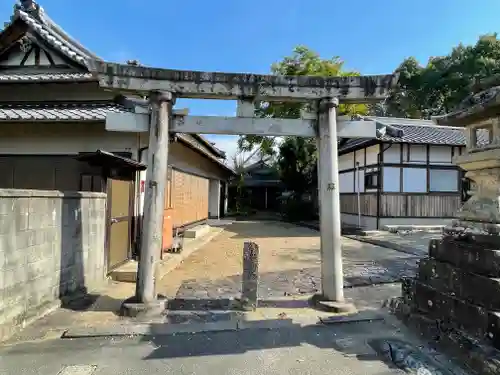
(161, 104)
(332, 278)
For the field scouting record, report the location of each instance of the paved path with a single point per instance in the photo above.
(412, 242)
(289, 269)
(289, 266)
(289, 263)
(311, 349)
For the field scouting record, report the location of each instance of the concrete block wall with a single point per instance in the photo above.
(51, 246)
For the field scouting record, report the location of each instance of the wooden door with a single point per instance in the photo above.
(120, 220)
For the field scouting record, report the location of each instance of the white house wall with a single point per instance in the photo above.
(392, 153)
(406, 168)
(350, 179)
(414, 179)
(346, 182)
(372, 155)
(346, 161)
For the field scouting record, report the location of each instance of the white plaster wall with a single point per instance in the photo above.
(346, 161)
(359, 157)
(372, 154)
(359, 184)
(214, 198)
(367, 222)
(418, 154)
(392, 154)
(346, 182)
(226, 200)
(440, 155)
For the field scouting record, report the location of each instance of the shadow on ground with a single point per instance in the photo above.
(375, 342)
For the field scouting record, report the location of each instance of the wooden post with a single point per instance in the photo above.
(154, 199)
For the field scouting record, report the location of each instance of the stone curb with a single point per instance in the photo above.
(165, 329)
(387, 244)
(160, 328)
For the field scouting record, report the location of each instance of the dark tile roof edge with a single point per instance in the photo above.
(390, 123)
(33, 15)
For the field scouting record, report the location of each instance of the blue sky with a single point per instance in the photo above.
(371, 36)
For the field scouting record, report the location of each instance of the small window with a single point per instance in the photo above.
(85, 182)
(90, 182)
(371, 180)
(443, 180)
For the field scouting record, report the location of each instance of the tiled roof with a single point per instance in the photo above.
(34, 16)
(45, 77)
(57, 111)
(71, 112)
(413, 131)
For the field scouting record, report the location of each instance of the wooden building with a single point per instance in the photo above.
(404, 176)
(53, 136)
(261, 187)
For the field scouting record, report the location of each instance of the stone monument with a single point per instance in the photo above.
(455, 297)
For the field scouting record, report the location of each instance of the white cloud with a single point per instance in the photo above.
(227, 143)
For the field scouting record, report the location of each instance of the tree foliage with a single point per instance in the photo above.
(297, 164)
(297, 157)
(438, 87)
(302, 62)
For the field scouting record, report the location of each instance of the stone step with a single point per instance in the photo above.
(477, 356)
(457, 314)
(468, 256)
(489, 241)
(126, 273)
(470, 287)
(197, 231)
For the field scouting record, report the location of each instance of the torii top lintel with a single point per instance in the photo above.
(214, 85)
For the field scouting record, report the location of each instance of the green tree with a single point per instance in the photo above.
(440, 86)
(302, 62)
(297, 164)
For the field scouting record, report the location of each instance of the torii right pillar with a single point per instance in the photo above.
(331, 297)
(455, 297)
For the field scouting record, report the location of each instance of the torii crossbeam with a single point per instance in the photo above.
(162, 86)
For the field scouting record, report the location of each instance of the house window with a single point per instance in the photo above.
(415, 180)
(89, 182)
(445, 180)
(392, 179)
(371, 180)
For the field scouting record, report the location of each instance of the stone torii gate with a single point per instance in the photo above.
(163, 86)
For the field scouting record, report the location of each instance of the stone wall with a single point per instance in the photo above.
(51, 246)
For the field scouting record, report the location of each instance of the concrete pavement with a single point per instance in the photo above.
(289, 273)
(294, 349)
(282, 337)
